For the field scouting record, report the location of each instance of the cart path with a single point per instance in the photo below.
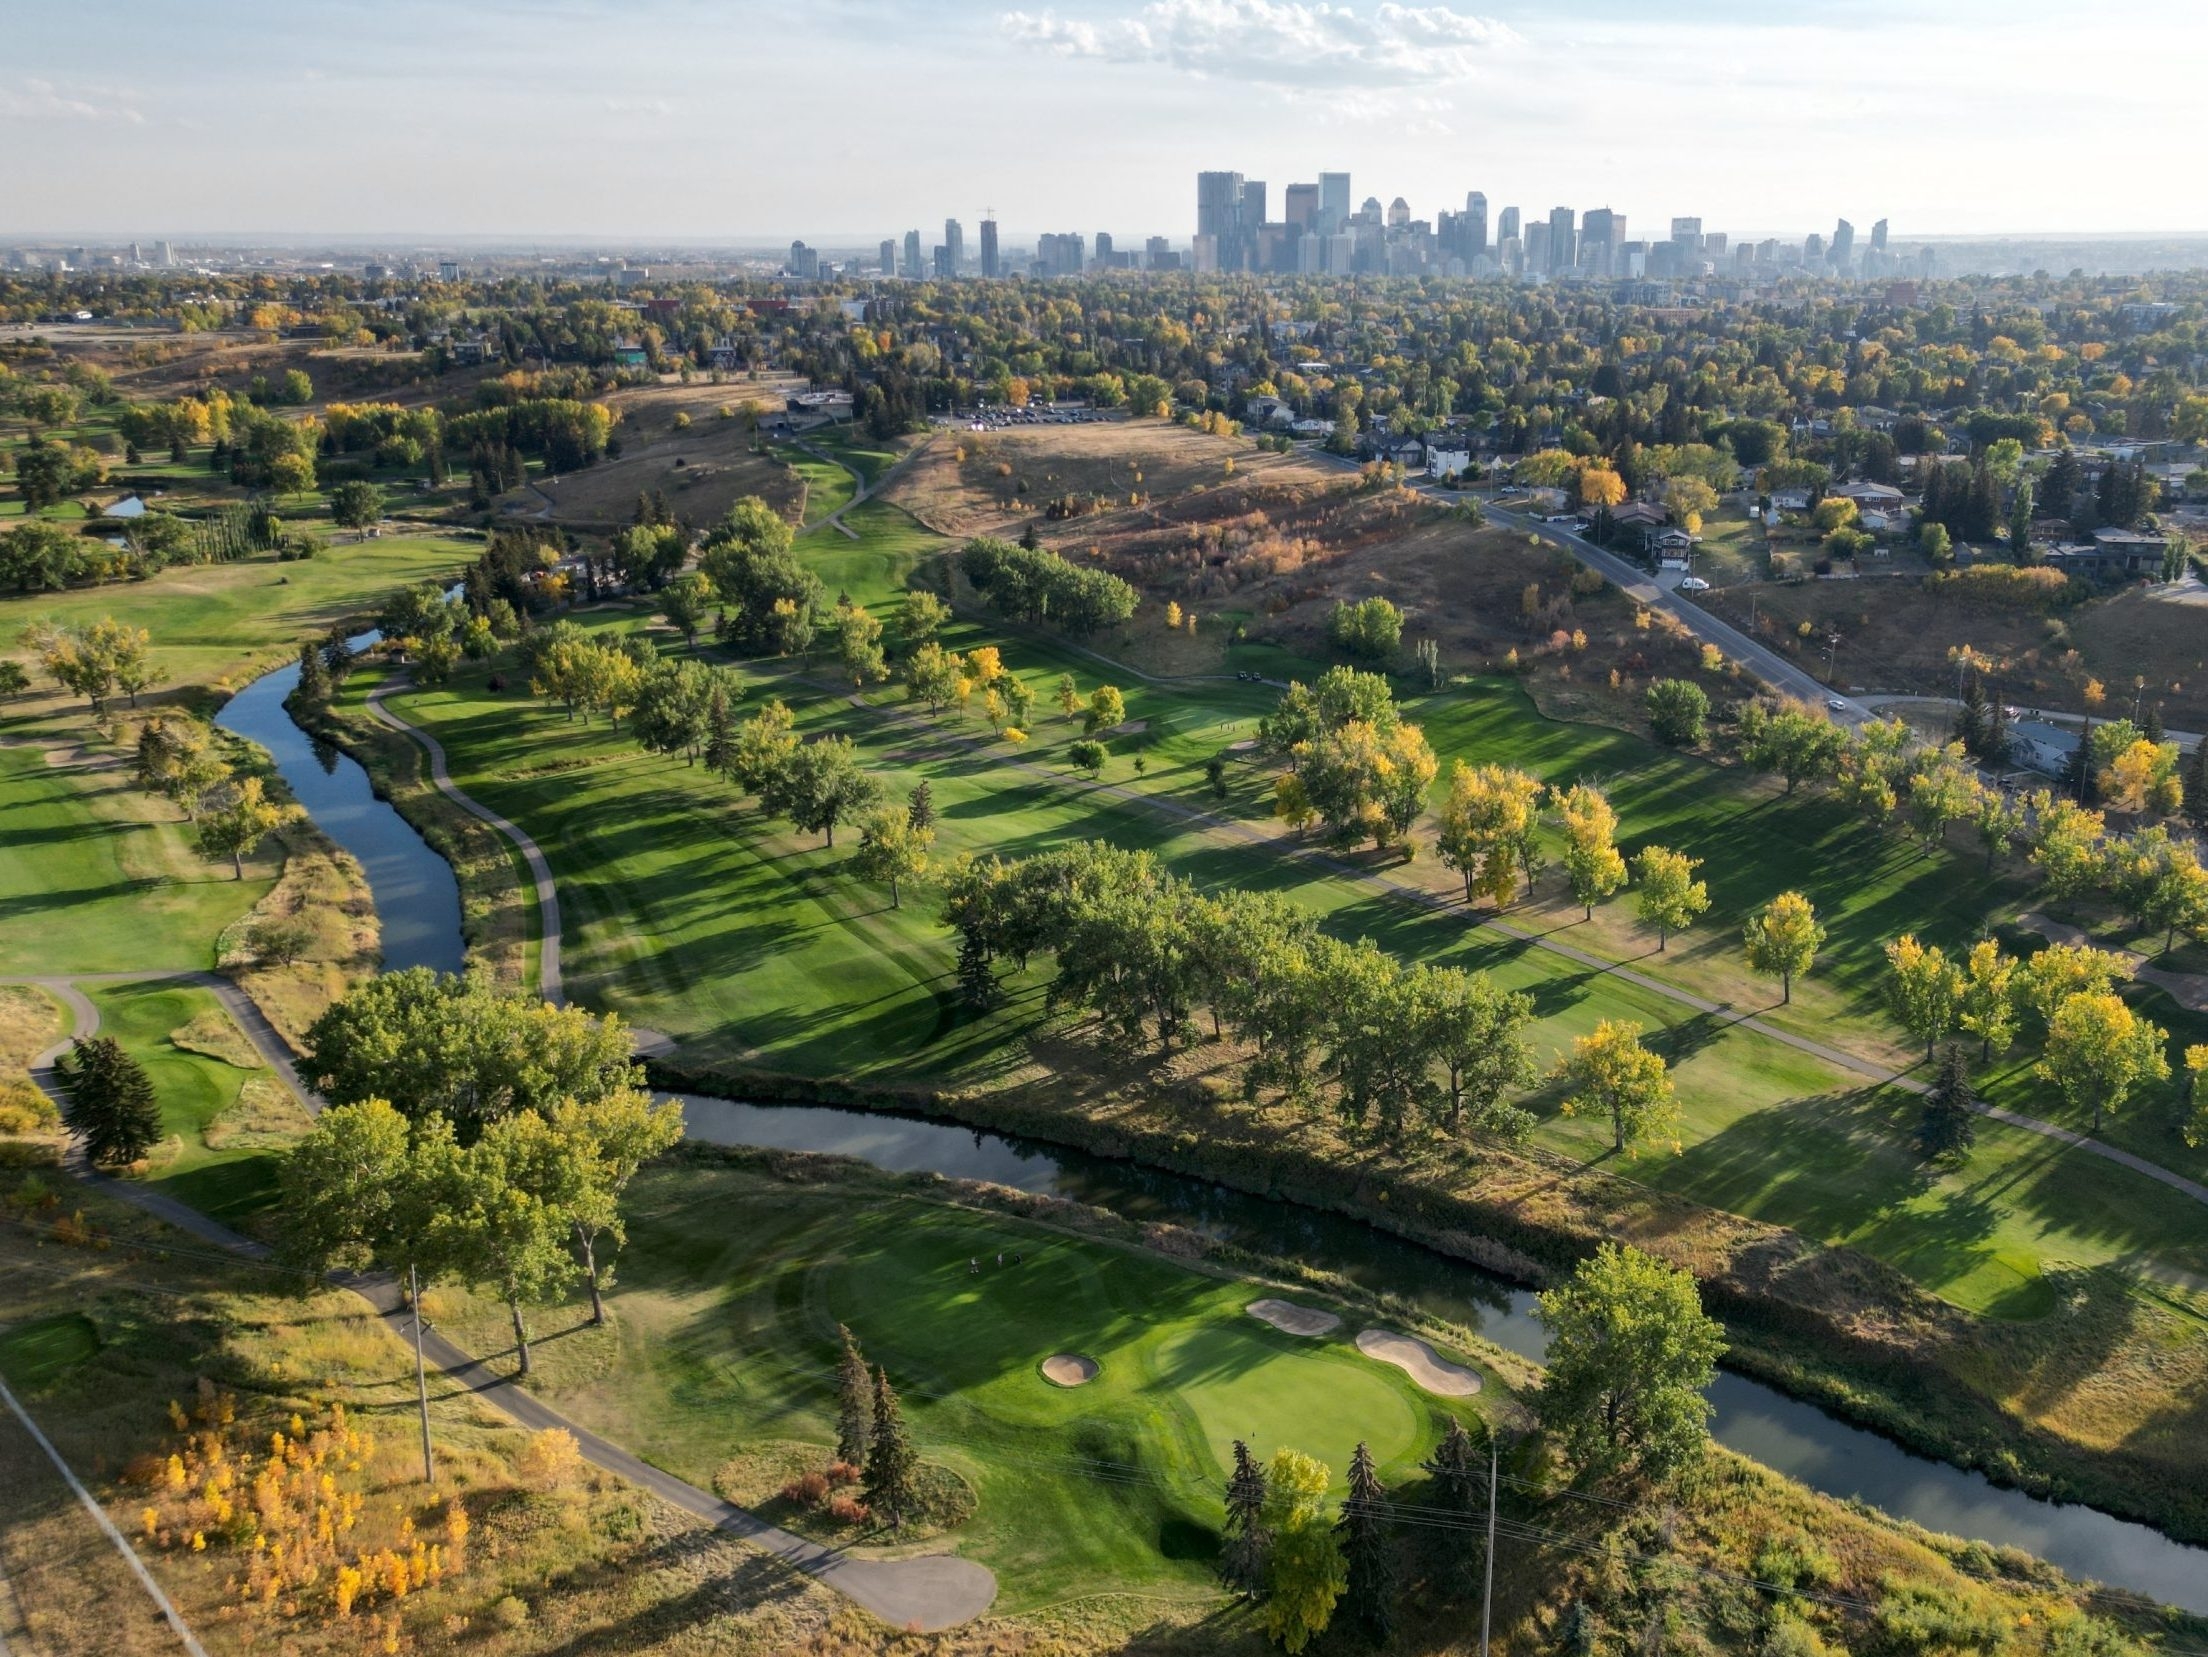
(929, 1592)
(2188, 989)
(549, 983)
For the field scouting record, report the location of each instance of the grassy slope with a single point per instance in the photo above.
(732, 1288)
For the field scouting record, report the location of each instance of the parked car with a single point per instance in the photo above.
(1693, 584)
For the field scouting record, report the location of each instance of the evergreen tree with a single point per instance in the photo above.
(1997, 735)
(2196, 785)
(2059, 489)
(1459, 1489)
(111, 1104)
(2151, 726)
(1935, 493)
(920, 806)
(2020, 524)
(1949, 1126)
(856, 1403)
(1971, 722)
(1368, 1591)
(2077, 776)
(977, 979)
(1984, 509)
(1247, 1541)
(890, 1461)
(721, 744)
(314, 677)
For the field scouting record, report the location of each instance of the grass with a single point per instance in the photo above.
(828, 485)
(734, 1283)
(197, 1092)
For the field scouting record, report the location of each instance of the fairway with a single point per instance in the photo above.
(724, 1339)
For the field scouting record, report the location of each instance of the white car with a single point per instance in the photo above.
(1838, 704)
(1693, 584)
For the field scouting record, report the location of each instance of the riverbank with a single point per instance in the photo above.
(1828, 1325)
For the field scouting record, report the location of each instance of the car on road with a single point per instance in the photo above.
(1560, 518)
(1693, 584)
(1838, 704)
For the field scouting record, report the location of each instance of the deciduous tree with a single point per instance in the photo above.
(1670, 897)
(1783, 938)
(2099, 1051)
(1609, 1073)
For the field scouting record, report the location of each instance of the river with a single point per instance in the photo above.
(419, 902)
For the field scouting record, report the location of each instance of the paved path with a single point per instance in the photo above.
(549, 983)
(930, 1592)
(865, 491)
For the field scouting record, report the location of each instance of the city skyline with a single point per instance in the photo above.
(576, 120)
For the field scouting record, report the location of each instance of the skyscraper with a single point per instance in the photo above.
(1688, 234)
(1105, 252)
(1300, 206)
(912, 255)
(1563, 240)
(1253, 205)
(1507, 227)
(1219, 217)
(1878, 237)
(1842, 255)
(954, 247)
(1537, 248)
(1333, 203)
(1600, 234)
(889, 256)
(1472, 232)
(989, 248)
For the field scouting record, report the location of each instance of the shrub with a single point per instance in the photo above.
(848, 1510)
(2022, 588)
(807, 1490)
(550, 1459)
(844, 1472)
(24, 1109)
(510, 1612)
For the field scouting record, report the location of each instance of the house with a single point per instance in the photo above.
(1266, 410)
(1447, 454)
(2129, 551)
(1312, 428)
(1674, 549)
(1644, 515)
(629, 354)
(2042, 747)
(1399, 451)
(1882, 496)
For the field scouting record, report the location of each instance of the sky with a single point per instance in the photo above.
(734, 121)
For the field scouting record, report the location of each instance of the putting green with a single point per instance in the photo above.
(1271, 1390)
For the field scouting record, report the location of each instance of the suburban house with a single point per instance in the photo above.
(2112, 551)
(2042, 747)
(1674, 549)
(1883, 497)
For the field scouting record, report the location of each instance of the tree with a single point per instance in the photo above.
(496, 1223)
(351, 1197)
(1986, 1006)
(356, 505)
(771, 593)
(1107, 710)
(859, 645)
(1476, 1033)
(1783, 938)
(1459, 1489)
(1591, 859)
(1795, 741)
(855, 1402)
(765, 745)
(920, 806)
(1365, 779)
(14, 681)
(2099, 1050)
(933, 675)
(600, 1146)
(1245, 1542)
(1368, 1552)
(821, 785)
(1670, 896)
(891, 1462)
(243, 818)
(1491, 811)
(1371, 629)
(109, 1101)
(1630, 1352)
(1305, 1570)
(920, 618)
(892, 850)
(1679, 710)
(1611, 1074)
(439, 1044)
(1924, 990)
(2159, 880)
(176, 758)
(687, 602)
(1087, 755)
(2143, 777)
(1949, 1126)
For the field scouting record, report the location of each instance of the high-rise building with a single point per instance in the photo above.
(1842, 254)
(1159, 254)
(1333, 203)
(1563, 239)
(954, 247)
(1472, 228)
(1507, 227)
(1104, 250)
(1813, 249)
(1878, 237)
(1599, 235)
(1688, 234)
(889, 256)
(1253, 205)
(912, 255)
(1219, 217)
(1537, 248)
(1714, 242)
(803, 262)
(1300, 206)
(1399, 213)
(164, 254)
(989, 266)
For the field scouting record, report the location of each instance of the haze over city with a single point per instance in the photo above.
(852, 118)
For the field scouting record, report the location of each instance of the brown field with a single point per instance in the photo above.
(718, 463)
(1895, 636)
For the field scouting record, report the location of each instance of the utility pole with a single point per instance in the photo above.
(421, 1376)
(1487, 1591)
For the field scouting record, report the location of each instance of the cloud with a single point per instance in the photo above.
(639, 106)
(1295, 46)
(37, 100)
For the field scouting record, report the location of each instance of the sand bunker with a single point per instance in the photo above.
(1294, 1319)
(1069, 1369)
(1420, 1362)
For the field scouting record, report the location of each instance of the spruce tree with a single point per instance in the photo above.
(977, 979)
(920, 807)
(1368, 1592)
(720, 730)
(111, 1104)
(1247, 1543)
(314, 677)
(1970, 723)
(1949, 1126)
(2077, 775)
(1460, 1489)
(1997, 735)
(2152, 728)
(855, 1414)
(890, 1461)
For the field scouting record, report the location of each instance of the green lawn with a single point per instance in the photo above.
(724, 1343)
(194, 1090)
(828, 486)
(94, 877)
